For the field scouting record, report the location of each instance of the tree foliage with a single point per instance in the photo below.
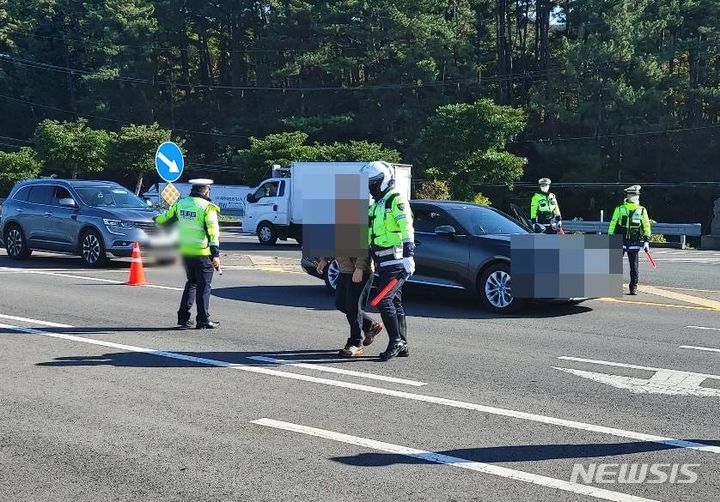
(434, 190)
(132, 150)
(71, 148)
(17, 166)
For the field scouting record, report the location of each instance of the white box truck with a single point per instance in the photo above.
(274, 210)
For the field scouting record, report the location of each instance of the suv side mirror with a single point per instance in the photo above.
(67, 202)
(250, 198)
(445, 231)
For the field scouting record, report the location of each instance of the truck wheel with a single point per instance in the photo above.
(331, 275)
(266, 234)
(16, 244)
(495, 290)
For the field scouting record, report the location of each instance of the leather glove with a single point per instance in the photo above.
(408, 249)
(409, 265)
(646, 246)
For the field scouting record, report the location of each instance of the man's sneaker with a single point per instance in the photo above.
(351, 351)
(633, 291)
(392, 351)
(185, 324)
(374, 331)
(208, 325)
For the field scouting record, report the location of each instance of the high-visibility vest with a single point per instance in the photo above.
(198, 227)
(390, 222)
(632, 220)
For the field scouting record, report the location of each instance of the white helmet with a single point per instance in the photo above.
(379, 175)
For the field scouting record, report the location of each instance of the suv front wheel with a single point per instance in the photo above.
(92, 249)
(15, 243)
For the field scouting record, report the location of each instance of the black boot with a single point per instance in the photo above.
(402, 323)
(395, 344)
(184, 323)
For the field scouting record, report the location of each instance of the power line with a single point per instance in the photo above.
(619, 135)
(16, 139)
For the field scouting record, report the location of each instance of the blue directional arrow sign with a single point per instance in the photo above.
(169, 161)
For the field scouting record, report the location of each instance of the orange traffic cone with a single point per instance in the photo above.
(137, 273)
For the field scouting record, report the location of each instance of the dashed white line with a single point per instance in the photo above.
(703, 328)
(96, 279)
(329, 369)
(695, 347)
(462, 463)
(491, 410)
(34, 321)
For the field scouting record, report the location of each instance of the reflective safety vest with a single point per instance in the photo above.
(632, 221)
(198, 227)
(391, 223)
(543, 207)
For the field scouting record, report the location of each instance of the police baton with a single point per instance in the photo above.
(652, 262)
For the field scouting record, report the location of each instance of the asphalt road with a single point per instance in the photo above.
(101, 400)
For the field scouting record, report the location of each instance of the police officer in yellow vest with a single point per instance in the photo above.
(199, 236)
(544, 208)
(631, 220)
(392, 247)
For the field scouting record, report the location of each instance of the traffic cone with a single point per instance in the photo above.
(137, 273)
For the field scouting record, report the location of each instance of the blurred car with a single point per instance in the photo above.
(88, 218)
(460, 246)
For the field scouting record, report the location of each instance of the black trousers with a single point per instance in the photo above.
(633, 259)
(390, 303)
(199, 271)
(349, 300)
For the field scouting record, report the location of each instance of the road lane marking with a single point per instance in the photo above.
(673, 295)
(663, 381)
(703, 327)
(695, 347)
(520, 415)
(34, 321)
(330, 369)
(96, 279)
(462, 463)
(655, 304)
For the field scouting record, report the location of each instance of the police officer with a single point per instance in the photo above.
(355, 273)
(544, 208)
(392, 246)
(199, 236)
(632, 221)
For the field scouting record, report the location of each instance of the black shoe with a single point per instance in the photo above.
(393, 350)
(633, 291)
(208, 325)
(185, 324)
(404, 352)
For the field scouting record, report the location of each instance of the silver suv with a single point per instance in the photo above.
(87, 218)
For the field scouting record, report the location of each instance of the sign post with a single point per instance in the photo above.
(169, 163)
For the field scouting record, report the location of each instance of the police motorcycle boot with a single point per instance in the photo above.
(208, 325)
(374, 331)
(402, 323)
(395, 344)
(352, 349)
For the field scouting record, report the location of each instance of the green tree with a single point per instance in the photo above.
(71, 148)
(132, 150)
(467, 142)
(355, 151)
(17, 166)
(434, 190)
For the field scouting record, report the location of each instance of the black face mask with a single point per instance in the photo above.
(375, 191)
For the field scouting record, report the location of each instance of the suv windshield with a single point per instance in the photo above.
(110, 197)
(484, 220)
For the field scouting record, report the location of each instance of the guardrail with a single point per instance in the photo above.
(680, 229)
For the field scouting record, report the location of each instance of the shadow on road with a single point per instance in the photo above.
(520, 453)
(148, 360)
(420, 302)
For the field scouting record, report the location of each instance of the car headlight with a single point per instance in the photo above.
(117, 223)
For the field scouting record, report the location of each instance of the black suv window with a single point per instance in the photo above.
(61, 193)
(22, 194)
(41, 194)
(427, 219)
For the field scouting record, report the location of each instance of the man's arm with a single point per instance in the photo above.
(534, 208)
(403, 216)
(213, 231)
(168, 216)
(645, 220)
(613, 221)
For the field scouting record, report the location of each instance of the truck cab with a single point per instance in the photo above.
(267, 212)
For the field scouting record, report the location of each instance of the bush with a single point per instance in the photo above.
(17, 166)
(482, 200)
(434, 190)
(658, 238)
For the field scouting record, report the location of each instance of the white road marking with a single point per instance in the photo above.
(520, 415)
(96, 279)
(703, 327)
(664, 381)
(330, 369)
(462, 463)
(34, 321)
(706, 349)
